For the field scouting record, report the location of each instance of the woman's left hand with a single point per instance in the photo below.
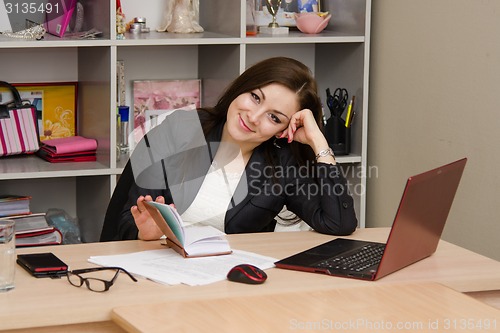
(304, 129)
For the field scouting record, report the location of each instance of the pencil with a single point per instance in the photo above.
(348, 117)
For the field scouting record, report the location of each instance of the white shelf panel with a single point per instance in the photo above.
(167, 38)
(6, 42)
(348, 159)
(26, 167)
(162, 38)
(298, 37)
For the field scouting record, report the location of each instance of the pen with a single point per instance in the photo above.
(348, 118)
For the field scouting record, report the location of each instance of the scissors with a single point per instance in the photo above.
(337, 102)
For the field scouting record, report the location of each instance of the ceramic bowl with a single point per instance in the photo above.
(312, 23)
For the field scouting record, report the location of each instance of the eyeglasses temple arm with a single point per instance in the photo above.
(93, 269)
(124, 271)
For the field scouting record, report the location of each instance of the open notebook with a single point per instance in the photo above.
(192, 241)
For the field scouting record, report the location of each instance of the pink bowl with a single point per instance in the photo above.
(311, 23)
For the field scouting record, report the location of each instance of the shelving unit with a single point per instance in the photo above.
(339, 57)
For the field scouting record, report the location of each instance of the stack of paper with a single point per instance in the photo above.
(168, 267)
(69, 149)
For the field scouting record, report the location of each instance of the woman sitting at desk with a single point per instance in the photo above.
(235, 165)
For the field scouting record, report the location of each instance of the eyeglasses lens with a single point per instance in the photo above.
(96, 284)
(75, 279)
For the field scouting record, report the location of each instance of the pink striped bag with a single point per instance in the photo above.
(18, 126)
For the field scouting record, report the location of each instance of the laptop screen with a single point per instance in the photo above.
(421, 216)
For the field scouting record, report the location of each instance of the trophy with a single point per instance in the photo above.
(273, 6)
(273, 28)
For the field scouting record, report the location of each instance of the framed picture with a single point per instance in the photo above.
(286, 14)
(308, 5)
(152, 98)
(56, 105)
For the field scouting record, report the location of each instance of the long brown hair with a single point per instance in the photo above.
(282, 70)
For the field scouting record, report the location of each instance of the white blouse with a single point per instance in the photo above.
(212, 201)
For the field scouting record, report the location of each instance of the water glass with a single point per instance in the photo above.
(7, 255)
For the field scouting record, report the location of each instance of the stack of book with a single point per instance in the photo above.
(14, 205)
(30, 229)
(69, 149)
(33, 230)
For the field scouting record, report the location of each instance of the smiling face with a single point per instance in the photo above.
(256, 116)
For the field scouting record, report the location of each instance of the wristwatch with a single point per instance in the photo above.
(325, 152)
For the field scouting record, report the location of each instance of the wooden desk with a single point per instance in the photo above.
(46, 302)
(426, 307)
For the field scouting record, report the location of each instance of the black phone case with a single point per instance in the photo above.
(44, 264)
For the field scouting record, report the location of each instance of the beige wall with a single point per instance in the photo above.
(434, 98)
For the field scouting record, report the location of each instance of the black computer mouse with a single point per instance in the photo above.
(246, 273)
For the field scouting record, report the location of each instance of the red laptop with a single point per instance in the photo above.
(414, 235)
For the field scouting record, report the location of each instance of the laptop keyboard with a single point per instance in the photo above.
(365, 257)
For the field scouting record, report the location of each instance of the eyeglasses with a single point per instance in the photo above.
(92, 283)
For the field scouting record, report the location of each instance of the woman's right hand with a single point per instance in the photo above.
(148, 229)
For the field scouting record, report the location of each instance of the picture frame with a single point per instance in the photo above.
(313, 6)
(56, 105)
(154, 97)
(286, 13)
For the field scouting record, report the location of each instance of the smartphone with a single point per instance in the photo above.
(44, 264)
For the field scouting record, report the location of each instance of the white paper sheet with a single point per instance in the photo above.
(168, 267)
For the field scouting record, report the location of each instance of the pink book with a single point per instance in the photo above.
(71, 144)
(57, 20)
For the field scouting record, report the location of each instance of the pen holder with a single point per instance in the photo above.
(338, 136)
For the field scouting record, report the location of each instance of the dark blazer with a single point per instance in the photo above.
(318, 196)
